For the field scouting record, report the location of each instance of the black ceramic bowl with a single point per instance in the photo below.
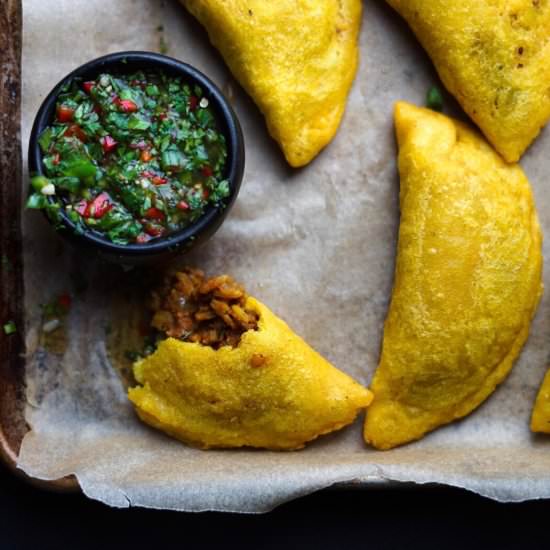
(162, 248)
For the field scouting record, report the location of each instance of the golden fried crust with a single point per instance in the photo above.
(540, 420)
(297, 59)
(494, 57)
(272, 391)
(467, 280)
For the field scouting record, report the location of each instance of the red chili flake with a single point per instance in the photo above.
(207, 171)
(101, 205)
(154, 214)
(193, 102)
(108, 143)
(205, 194)
(147, 174)
(143, 238)
(125, 105)
(162, 116)
(76, 131)
(64, 301)
(159, 180)
(154, 230)
(182, 205)
(56, 159)
(83, 208)
(64, 113)
(97, 109)
(87, 86)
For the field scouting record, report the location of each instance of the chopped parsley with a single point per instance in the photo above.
(133, 157)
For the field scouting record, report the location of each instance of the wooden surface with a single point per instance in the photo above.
(12, 423)
(12, 347)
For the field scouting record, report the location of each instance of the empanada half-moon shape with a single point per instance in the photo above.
(297, 60)
(540, 419)
(223, 398)
(493, 56)
(467, 279)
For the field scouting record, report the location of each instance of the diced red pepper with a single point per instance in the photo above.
(76, 131)
(163, 116)
(64, 113)
(87, 86)
(64, 301)
(125, 105)
(83, 208)
(56, 159)
(145, 156)
(205, 194)
(143, 238)
(154, 214)
(101, 205)
(159, 180)
(207, 171)
(108, 143)
(154, 230)
(193, 102)
(182, 205)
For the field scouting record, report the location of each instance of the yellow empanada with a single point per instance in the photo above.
(540, 419)
(467, 279)
(493, 56)
(270, 391)
(296, 59)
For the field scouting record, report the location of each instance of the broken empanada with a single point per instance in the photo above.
(296, 59)
(493, 56)
(467, 279)
(229, 386)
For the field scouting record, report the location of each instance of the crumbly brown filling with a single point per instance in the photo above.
(210, 312)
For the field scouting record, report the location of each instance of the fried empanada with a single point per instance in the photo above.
(467, 279)
(493, 56)
(297, 60)
(272, 390)
(540, 419)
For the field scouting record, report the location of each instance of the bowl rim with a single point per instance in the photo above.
(226, 117)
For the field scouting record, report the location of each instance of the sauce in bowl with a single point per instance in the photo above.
(133, 157)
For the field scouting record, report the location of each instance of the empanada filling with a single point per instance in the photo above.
(207, 311)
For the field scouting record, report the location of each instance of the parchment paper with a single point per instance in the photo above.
(317, 245)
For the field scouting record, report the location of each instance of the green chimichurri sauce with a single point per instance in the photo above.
(134, 157)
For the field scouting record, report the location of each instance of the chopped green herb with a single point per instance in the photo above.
(10, 328)
(133, 157)
(434, 99)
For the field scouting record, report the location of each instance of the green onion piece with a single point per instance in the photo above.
(10, 328)
(434, 99)
(38, 182)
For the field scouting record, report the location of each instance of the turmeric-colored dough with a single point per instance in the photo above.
(494, 57)
(540, 420)
(296, 59)
(271, 391)
(467, 279)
